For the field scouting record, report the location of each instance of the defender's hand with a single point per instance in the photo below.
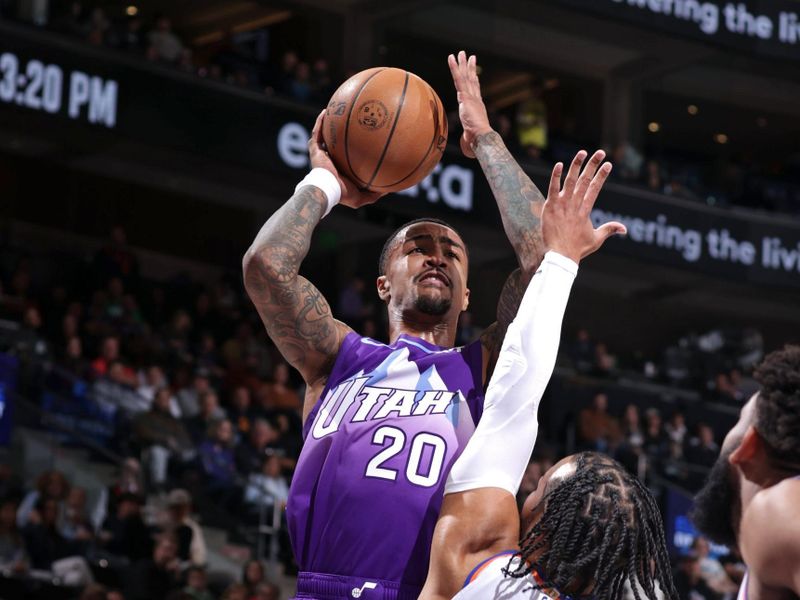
(471, 109)
(566, 226)
(318, 153)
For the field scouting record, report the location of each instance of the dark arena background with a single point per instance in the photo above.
(144, 143)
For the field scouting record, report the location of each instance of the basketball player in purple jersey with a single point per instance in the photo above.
(384, 423)
(590, 525)
(752, 496)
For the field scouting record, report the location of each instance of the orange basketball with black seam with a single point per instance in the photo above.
(385, 129)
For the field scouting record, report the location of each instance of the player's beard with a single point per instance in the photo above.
(436, 307)
(717, 506)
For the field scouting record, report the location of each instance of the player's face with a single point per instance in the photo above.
(561, 470)
(427, 272)
(718, 505)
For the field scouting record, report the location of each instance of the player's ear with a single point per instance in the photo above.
(748, 448)
(465, 304)
(384, 288)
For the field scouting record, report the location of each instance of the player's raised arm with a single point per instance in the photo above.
(479, 515)
(296, 315)
(519, 200)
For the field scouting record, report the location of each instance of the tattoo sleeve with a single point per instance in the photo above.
(296, 315)
(519, 200)
(520, 203)
(510, 298)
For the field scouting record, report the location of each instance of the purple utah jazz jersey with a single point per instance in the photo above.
(379, 444)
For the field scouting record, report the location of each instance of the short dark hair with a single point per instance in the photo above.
(597, 528)
(387, 247)
(778, 404)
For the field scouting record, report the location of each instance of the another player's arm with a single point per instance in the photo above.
(521, 206)
(769, 537)
(520, 202)
(479, 515)
(296, 315)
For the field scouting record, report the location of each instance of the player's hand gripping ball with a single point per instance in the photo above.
(385, 129)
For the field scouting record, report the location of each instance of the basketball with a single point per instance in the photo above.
(385, 129)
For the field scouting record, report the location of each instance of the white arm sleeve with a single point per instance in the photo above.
(499, 450)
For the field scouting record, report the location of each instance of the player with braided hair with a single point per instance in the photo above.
(752, 496)
(590, 526)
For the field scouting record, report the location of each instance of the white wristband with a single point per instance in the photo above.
(327, 182)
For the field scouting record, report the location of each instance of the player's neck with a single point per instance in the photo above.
(442, 333)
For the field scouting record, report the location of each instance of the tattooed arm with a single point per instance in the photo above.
(520, 202)
(296, 315)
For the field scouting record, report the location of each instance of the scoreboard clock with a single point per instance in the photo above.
(50, 88)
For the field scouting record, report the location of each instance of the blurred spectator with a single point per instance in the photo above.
(124, 533)
(301, 88)
(185, 531)
(250, 451)
(216, 457)
(72, 22)
(627, 161)
(241, 412)
(597, 430)
(711, 570)
(581, 352)
(75, 524)
(49, 550)
(94, 591)
(189, 398)
(285, 78)
(207, 359)
(109, 353)
(656, 441)
(703, 450)
(653, 176)
(13, 556)
(74, 361)
(129, 481)
(235, 591)
(131, 36)
(99, 28)
(267, 591)
(178, 339)
(532, 122)
(197, 584)
(676, 431)
(116, 259)
(153, 578)
(151, 381)
(163, 437)
(253, 575)
(164, 45)
(267, 487)
(210, 412)
(605, 363)
(50, 485)
(321, 82)
(277, 395)
(689, 582)
(631, 427)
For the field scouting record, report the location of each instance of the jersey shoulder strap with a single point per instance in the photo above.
(473, 575)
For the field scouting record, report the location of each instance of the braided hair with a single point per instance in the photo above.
(593, 530)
